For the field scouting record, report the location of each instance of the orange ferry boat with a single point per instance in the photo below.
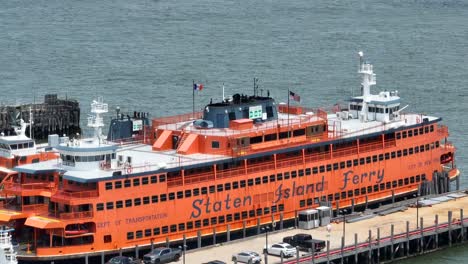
(242, 162)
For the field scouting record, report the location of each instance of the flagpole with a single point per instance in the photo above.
(193, 99)
(288, 111)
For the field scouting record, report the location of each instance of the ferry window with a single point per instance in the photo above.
(314, 170)
(119, 204)
(274, 209)
(427, 147)
(355, 162)
(437, 144)
(329, 167)
(356, 192)
(244, 214)
(147, 232)
(381, 157)
(242, 183)
(235, 185)
(398, 135)
(198, 224)
(342, 165)
(279, 176)
(165, 229)
(173, 228)
(250, 182)
(156, 231)
(301, 203)
(404, 134)
(374, 158)
(286, 175)
(330, 197)
(394, 184)
(14, 146)
(307, 171)
(108, 185)
(421, 131)
(180, 195)
(426, 130)
(139, 234)
(309, 202)
(137, 201)
(272, 178)
(162, 178)
(236, 216)
(337, 196)
(118, 184)
(432, 128)
(154, 199)
(221, 219)
(51, 177)
(393, 154)
(128, 203)
(188, 193)
(127, 183)
(406, 181)
(421, 148)
(107, 238)
(400, 182)
(293, 174)
(322, 169)
(349, 163)
(382, 186)
(369, 189)
(189, 225)
(412, 179)
(388, 185)
(257, 181)
(387, 156)
(204, 190)
(110, 205)
(410, 133)
(410, 151)
(146, 200)
(415, 132)
(418, 179)
(405, 152)
(214, 220)
(252, 213)
(362, 161)
(154, 179)
(265, 179)
(259, 211)
(99, 207)
(212, 188)
(301, 173)
(163, 197)
(181, 226)
(363, 190)
(335, 166)
(129, 235)
(136, 182)
(227, 186)
(228, 218)
(350, 193)
(206, 222)
(144, 180)
(368, 160)
(219, 188)
(171, 196)
(398, 153)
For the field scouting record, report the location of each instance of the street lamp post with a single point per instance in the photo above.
(183, 252)
(417, 211)
(343, 212)
(266, 229)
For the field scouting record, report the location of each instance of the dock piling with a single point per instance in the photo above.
(422, 235)
(198, 239)
(243, 229)
(228, 235)
(370, 246)
(436, 231)
(407, 239)
(392, 241)
(352, 205)
(378, 245)
(450, 228)
(355, 248)
(214, 235)
(102, 258)
(328, 253)
(136, 251)
(462, 225)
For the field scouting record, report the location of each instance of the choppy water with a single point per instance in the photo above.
(143, 55)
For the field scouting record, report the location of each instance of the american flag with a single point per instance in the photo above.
(294, 96)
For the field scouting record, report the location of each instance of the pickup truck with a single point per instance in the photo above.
(304, 241)
(162, 255)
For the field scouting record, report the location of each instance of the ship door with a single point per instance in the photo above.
(220, 120)
(175, 141)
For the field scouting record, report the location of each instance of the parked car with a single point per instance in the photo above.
(122, 260)
(281, 249)
(215, 262)
(162, 255)
(247, 257)
(304, 241)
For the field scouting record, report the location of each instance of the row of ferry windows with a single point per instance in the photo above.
(205, 222)
(280, 176)
(415, 132)
(87, 158)
(364, 190)
(17, 146)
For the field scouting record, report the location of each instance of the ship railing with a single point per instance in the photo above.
(34, 207)
(76, 194)
(189, 179)
(76, 215)
(230, 173)
(161, 121)
(345, 152)
(370, 147)
(260, 167)
(13, 186)
(313, 157)
(442, 130)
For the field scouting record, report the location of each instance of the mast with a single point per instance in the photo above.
(368, 79)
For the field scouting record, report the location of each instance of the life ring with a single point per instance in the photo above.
(418, 120)
(129, 169)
